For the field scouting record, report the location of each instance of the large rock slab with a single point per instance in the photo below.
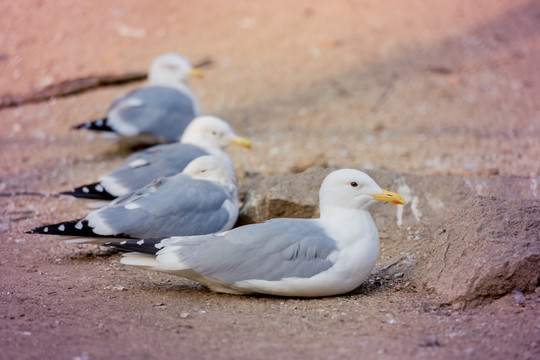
(485, 249)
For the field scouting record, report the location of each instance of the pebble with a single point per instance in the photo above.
(431, 340)
(23, 333)
(115, 287)
(519, 298)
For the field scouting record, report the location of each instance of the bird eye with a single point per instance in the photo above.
(354, 184)
(214, 132)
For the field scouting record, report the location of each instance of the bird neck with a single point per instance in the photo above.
(178, 85)
(210, 149)
(220, 153)
(348, 224)
(335, 212)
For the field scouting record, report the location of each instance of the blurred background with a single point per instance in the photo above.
(423, 86)
(427, 87)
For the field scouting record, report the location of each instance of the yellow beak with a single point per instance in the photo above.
(195, 72)
(240, 141)
(389, 196)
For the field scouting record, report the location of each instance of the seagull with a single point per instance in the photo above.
(158, 112)
(202, 199)
(205, 135)
(326, 256)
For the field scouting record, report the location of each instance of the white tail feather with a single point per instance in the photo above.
(89, 240)
(140, 260)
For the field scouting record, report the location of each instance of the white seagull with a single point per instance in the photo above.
(205, 135)
(203, 199)
(327, 256)
(158, 112)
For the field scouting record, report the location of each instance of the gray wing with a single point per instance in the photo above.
(141, 168)
(270, 251)
(177, 205)
(155, 110)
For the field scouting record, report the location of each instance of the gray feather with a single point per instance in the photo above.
(165, 111)
(161, 210)
(162, 160)
(267, 251)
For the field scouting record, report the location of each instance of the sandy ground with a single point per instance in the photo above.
(425, 87)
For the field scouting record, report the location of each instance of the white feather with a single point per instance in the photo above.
(140, 260)
(113, 187)
(98, 225)
(138, 163)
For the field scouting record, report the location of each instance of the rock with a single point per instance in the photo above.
(295, 196)
(487, 248)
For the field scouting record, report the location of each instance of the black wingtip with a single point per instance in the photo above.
(78, 227)
(64, 228)
(90, 191)
(96, 125)
(144, 246)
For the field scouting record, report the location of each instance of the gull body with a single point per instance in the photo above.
(158, 112)
(327, 256)
(205, 135)
(202, 199)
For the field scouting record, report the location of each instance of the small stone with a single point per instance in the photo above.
(519, 298)
(184, 315)
(115, 288)
(430, 341)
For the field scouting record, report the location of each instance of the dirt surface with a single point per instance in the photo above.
(423, 87)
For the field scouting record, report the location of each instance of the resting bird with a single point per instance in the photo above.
(327, 256)
(158, 112)
(205, 135)
(201, 200)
